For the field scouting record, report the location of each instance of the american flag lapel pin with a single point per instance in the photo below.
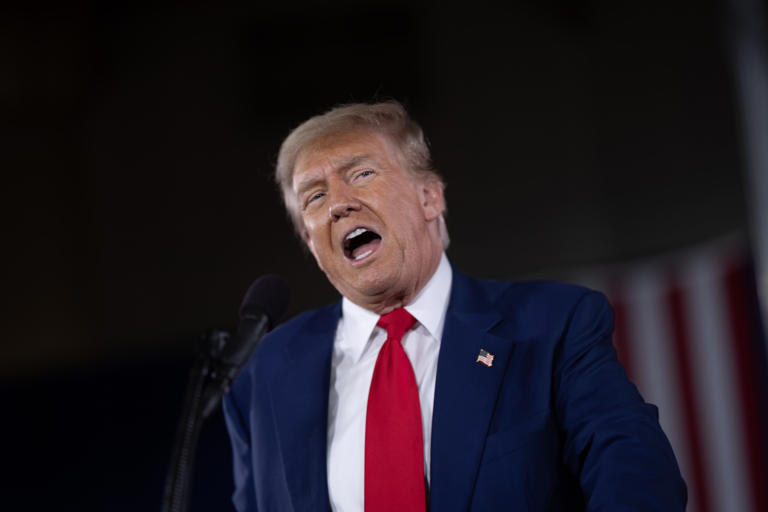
(484, 357)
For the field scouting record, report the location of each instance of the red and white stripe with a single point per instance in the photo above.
(686, 334)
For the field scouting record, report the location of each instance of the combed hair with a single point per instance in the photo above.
(388, 118)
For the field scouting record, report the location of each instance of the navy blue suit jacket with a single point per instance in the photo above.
(554, 424)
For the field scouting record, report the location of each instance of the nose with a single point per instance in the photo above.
(343, 203)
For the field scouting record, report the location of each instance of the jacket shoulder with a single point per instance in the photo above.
(269, 357)
(531, 307)
(552, 294)
(309, 320)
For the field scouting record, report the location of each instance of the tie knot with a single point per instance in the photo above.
(397, 322)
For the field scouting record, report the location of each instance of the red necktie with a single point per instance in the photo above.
(394, 450)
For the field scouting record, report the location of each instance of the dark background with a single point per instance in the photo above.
(138, 145)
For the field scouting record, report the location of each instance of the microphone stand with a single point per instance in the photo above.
(203, 393)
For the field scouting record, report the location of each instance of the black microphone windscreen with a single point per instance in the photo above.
(268, 295)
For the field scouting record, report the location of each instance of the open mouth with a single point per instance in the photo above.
(361, 243)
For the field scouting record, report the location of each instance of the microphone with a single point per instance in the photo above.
(263, 305)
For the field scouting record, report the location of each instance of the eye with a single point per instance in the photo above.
(364, 173)
(314, 197)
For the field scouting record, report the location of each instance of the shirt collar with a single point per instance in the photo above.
(429, 308)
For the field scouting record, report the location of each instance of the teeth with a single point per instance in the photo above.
(358, 231)
(361, 256)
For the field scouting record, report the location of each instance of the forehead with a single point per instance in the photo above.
(337, 152)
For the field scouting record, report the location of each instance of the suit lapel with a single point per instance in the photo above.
(300, 403)
(465, 394)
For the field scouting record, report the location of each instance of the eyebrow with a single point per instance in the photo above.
(340, 165)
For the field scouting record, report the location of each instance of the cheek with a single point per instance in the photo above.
(410, 214)
(313, 250)
(314, 229)
(405, 204)
(312, 237)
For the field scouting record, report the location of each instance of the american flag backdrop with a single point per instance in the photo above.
(689, 333)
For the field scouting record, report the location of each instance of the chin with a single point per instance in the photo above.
(371, 284)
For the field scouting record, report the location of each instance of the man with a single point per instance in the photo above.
(423, 388)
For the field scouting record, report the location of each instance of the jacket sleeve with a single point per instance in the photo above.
(613, 441)
(244, 496)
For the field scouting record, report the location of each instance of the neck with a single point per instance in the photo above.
(383, 303)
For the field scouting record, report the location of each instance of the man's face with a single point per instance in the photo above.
(371, 227)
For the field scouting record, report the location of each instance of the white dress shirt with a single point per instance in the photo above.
(355, 349)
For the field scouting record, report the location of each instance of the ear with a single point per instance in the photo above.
(432, 201)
